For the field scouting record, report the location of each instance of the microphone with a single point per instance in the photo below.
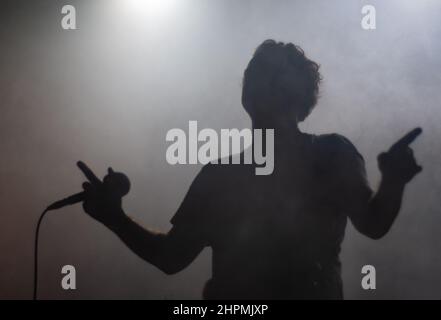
(75, 198)
(115, 181)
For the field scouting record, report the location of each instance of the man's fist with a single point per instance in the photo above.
(103, 199)
(398, 164)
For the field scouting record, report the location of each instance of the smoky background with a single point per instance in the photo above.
(108, 92)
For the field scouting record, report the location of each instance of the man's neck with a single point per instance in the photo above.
(287, 132)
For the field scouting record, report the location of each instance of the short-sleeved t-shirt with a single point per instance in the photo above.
(277, 236)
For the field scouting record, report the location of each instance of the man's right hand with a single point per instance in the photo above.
(102, 198)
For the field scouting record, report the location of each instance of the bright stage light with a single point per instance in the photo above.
(151, 8)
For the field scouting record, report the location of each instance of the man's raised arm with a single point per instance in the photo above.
(170, 252)
(398, 166)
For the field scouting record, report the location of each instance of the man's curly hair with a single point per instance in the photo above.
(282, 76)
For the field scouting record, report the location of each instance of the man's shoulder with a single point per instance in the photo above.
(334, 142)
(232, 164)
(336, 147)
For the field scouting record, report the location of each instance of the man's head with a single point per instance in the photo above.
(280, 82)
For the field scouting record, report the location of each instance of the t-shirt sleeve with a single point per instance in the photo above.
(193, 213)
(349, 174)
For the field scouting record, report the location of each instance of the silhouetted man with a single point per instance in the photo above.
(276, 236)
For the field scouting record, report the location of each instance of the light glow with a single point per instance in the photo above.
(150, 8)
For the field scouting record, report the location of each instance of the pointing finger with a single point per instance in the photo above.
(88, 173)
(407, 139)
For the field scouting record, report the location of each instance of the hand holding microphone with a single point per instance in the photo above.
(101, 199)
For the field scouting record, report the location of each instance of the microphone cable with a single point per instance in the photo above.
(36, 253)
(116, 180)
